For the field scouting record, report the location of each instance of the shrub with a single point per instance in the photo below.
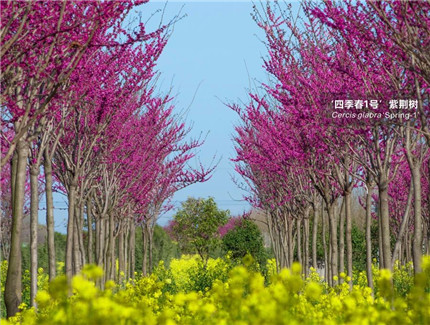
(245, 238)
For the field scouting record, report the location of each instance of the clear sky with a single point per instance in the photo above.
(217, 45)
(214, 55)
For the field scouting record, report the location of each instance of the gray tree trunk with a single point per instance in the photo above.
(34, 215)
(369, 234)
(99, 253)
(342, 237)
(70, 230)
(13, 285)
(145, 251)
(333, 242)
(90, 230)
(126, 251)
(408, 247)
(121, 261)
(315, 237)
(326, 263)
(417, 243)
(111, 251)
(76, 252)
(348, 219)
(306, 242)
(80, 229)
(427, 225)
(97, 241)
(380, 250)
(385, 221)
(290, 242)
(403, 226)
(49, 215)
(132, 248)
(150, 248)
(299, 240)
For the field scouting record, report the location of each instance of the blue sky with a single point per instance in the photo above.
(218, 46)
(213, 53)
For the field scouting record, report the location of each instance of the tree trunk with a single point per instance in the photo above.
(13, 169)
(34, 223)
(348, 219)
(408, 247)
(299, 240)
(90, 230)
(333, 241)
(385, 221)
(145, 251)
(99, 241)
(150, 247)
(70, 230)
(403, 226)
(105, 247)
(76, 252)
(306, 242)
(132, 248)
(274, 239)
(417, 244)
(82, 252)
(49, 216)
(284, 239)
(315, 237)
(330, 254)
(426, 236)
(290, 242)
(12, 293)
(111, 250)
(428, 209)
(323, 226)
(402, 252)
(126, 249)
(369, 235)
(121, 261)
(380, 250)
(342, 237)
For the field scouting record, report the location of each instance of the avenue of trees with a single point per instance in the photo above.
(344, 116)
(343, 119)
(81, 116)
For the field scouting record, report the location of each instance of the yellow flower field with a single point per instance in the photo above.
(234, 295)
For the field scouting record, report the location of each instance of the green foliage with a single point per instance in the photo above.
(164, 249)
(42, 251)
(320, 246)
(196, 226)
(245, 239)
(358, 239)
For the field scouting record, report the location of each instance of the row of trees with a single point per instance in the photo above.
(163, 250)
(78, 97)
(332, 122)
